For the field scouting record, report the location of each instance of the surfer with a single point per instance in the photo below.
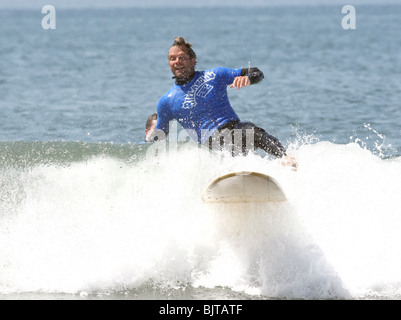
(150, 126)
(199, 102)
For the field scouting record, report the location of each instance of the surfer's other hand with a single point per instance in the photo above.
(289, 161)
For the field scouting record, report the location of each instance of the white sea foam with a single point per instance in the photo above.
(105, 225)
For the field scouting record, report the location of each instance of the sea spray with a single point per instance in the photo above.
(105, 223)
(350, 204)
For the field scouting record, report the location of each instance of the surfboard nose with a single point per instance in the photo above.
(243, 186)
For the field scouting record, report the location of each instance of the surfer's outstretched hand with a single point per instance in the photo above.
(289, 161)
(241, 81)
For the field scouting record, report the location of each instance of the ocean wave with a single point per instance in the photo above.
(100, 218)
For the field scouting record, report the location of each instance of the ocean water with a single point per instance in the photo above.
(88, 211)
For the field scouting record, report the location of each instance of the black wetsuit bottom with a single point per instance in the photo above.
(241, 137)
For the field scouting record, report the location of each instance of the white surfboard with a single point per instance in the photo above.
(243, 186)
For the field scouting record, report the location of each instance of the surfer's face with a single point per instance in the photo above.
(181, 65)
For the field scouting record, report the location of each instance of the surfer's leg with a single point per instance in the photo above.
(261, 140)
(268, 143)
(241, 137)
(223, 138)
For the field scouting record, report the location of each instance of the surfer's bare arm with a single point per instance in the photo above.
(248, 76)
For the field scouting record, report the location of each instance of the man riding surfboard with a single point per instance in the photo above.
(199, 102)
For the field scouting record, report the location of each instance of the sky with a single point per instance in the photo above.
(198, 3)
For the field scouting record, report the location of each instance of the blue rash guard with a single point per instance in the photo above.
(201, 106)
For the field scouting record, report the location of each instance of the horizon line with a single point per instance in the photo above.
(163, 6)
